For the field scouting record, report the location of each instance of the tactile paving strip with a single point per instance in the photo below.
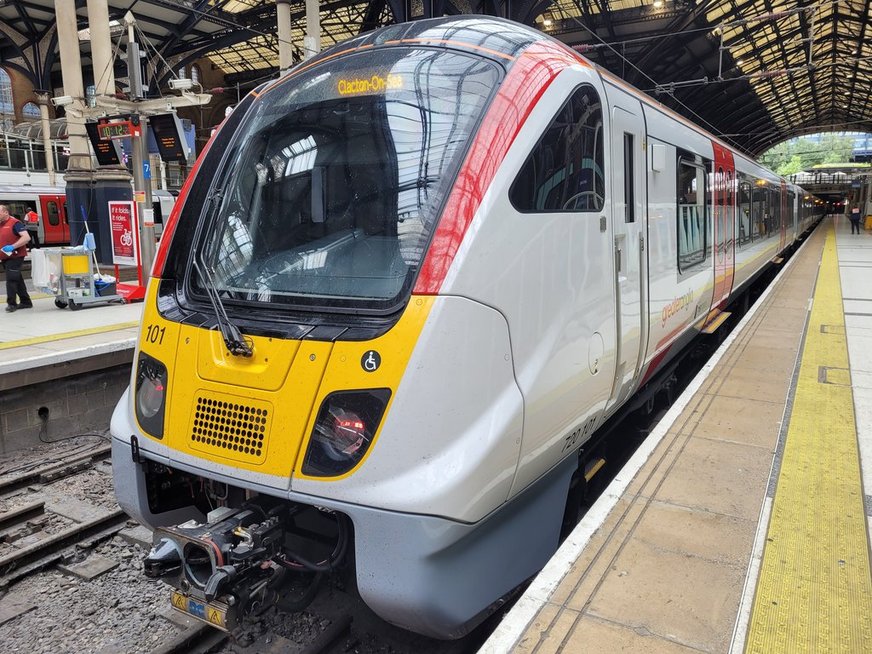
(814, 592)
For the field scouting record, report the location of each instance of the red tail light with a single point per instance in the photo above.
(344, 429)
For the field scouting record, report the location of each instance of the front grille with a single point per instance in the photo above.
(231, 427)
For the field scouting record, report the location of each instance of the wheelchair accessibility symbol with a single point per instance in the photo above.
(370, 361)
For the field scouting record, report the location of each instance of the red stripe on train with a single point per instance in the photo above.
(526, 81)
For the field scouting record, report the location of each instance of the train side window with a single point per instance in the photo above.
(693, 233)
(565, 171)
(744, 215)
(629, 182)
(53, 213)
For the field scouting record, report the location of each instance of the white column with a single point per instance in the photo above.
(283, 18)
(312, 40)
(101, 47)
(71, 72)
(42, 98)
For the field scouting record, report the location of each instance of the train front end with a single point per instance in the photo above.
(303, 396)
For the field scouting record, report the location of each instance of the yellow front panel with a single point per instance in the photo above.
(257, 413)
(287, 408)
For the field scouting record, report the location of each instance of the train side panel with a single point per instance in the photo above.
(757, 237)
(681, 278)
(547, 266)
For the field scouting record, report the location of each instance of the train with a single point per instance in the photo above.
(50, 204)
(401, 288)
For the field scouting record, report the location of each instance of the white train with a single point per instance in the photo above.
(402, 287)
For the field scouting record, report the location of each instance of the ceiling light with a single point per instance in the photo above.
(658, 4)
(547, 22)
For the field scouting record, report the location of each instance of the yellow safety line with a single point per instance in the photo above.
(59, 337)
(814, 593)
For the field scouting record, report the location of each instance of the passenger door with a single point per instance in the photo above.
(629, 231)
(55, 230)
(724, 225)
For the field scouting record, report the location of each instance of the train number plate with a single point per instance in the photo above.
(210, 613)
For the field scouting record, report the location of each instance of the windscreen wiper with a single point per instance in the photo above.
(233, 338)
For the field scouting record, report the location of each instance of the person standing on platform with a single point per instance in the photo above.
(31, 221)
(13, 237)
(855, 218)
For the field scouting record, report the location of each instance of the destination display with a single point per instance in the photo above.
(107, 152)
(169, 136)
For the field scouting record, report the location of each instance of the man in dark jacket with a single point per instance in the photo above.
(855, 219)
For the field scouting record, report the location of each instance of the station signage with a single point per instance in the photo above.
(118, 129)
(107, 151)
(170, 137)
(123, 227)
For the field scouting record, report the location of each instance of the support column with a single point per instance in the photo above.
(101, 47)
(71, 71)
(79, 175)
(312, 40)
(283, 19)
(42, 99)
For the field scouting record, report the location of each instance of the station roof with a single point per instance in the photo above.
(754, 72)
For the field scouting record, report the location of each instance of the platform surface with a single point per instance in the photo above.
(46, 335)
(742, 523)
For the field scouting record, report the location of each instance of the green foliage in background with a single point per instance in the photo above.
(797, 155)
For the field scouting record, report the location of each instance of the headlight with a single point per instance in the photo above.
(150, 394)
(344, 430)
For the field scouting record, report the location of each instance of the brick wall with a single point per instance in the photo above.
(77, 404)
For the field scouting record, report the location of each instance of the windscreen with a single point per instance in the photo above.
(333, 185)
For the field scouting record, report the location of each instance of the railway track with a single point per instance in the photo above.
(34, 530)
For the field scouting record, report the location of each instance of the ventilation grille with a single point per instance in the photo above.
(231, 427)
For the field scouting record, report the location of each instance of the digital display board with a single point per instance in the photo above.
(170, 138)
(107, 151)
(116, 130)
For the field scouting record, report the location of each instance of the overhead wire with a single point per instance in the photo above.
(669, 89)
(646, 75)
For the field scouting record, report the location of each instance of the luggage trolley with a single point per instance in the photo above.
(66, 273)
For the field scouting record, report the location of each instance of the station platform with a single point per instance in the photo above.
(62, 371)
(45, 337)
(742, 522)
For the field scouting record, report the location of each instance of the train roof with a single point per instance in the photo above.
(482, 34)
(497, 38)
(8, 189)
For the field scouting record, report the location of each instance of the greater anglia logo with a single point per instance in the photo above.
(675, 306)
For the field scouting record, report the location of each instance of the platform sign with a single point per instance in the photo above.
(122, 223)
(107, 152)
(170, 137)
(118, 129)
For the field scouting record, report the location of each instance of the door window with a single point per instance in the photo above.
(54, 218)
(564, 172)
(692, 229)
(629, 181)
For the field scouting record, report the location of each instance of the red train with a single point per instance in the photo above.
(50, 204)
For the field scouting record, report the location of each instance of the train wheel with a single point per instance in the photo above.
(74, 306)
(60, 304)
